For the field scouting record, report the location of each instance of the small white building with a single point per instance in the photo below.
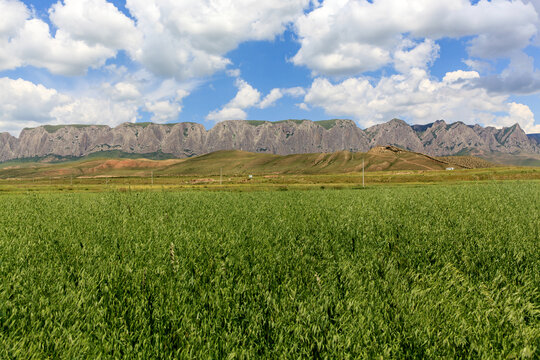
(449, 168)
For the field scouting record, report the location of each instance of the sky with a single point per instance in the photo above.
(206, 61)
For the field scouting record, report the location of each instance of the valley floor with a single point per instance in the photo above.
(215, 182)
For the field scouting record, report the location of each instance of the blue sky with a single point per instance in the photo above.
(108, 62)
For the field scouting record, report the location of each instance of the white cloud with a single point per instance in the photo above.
(164, 111)
(234, 73)
(294, 91)
(246, 97)
(478, 65)
(123, 91)
(276, 94)
(59, 54)
(94, 111)
(346, 37)
(25, 40)
(459, 75)
(227, 114)
(166, 102)
(96, 22)
(303, 106)
(412, 55)
(189, 39)
(13, 14)
(520, 114)
(417, 97)
(270, 99)
(25, 104)
(520, 77)
(171, 38)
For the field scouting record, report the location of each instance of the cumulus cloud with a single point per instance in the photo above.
(417, 97)
(246, 97)
(520, 114)
(82, 39)
(165, 107)
(178, 42)
(163, 111)
(412, 55)
(276, 94)
(123, 91)
(13, 14)
(270, 99)
(294, 91)
(478, 65)
(234, 73)
(25, 104)
(347, 37)
(181, 38)
(96, 22)
(520, 77)
(87, 110)
(188, 39)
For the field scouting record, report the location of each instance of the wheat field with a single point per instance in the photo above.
(447, 271)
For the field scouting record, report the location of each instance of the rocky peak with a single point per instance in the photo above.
(535, 138)
(395, 132)
(515, 139)
(280, 137)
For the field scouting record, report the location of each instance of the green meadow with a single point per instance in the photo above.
(411, 271)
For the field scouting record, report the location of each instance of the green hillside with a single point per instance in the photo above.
(234, 162)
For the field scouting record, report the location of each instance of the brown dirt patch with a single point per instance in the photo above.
(389, 149)
(132, 164)
(202, 181)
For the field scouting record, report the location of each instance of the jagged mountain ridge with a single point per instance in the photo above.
(283, 138)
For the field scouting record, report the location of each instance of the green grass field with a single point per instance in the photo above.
(446, 271)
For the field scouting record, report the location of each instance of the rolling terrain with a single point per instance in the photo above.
(235, 162)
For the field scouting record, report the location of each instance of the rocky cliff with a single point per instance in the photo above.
(283, 137)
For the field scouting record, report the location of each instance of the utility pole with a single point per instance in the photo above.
(152, 178)
(220, 176)
(363, 182)
(71, 180)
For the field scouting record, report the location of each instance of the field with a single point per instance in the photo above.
(411, 271)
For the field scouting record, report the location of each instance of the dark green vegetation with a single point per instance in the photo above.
(146, 124)
(327, 124)
(108, 154)
(54, 128)
(399, 272)
(514, 159)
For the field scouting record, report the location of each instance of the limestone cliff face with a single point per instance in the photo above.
(284, 137)
(8, 146)
(443, 139)
(395, 132)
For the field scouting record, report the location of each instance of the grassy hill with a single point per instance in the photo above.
(513, 159)
(240, 162)
(235, 162)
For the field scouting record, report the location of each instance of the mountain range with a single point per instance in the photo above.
(286, 137)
